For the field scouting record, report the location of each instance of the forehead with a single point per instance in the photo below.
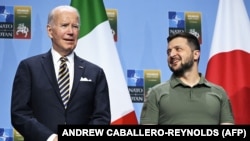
(66, 15)
(178, 41)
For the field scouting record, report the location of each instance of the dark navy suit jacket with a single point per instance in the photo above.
(36, 105)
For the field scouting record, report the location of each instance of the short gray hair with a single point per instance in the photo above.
(61, 7)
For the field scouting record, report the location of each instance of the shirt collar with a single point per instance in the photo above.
(174, 81)
(56, 56)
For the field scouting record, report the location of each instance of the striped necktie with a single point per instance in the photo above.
(63, 81)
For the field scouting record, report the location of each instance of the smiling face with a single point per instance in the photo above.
(181, 57)
(63, 29)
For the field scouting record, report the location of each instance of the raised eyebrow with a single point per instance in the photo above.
(175, 47)
(64, 24)
(70, 23)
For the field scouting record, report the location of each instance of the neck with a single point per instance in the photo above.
(190, 78)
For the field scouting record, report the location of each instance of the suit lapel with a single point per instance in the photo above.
(78, 71)
(48, 66)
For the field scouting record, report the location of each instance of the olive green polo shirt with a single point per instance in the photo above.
(173, 102)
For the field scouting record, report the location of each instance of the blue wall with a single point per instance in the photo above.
(142, 31)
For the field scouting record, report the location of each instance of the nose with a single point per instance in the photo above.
(70, 29)
(171, 52)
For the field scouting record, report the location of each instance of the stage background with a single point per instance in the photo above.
(142, 29)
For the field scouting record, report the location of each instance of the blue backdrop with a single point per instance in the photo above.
(142, 31)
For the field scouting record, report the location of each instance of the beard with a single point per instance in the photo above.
(183, 68)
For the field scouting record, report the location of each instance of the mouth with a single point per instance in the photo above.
(70, 40)
(174, 61)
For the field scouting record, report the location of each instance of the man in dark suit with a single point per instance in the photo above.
(36, 104)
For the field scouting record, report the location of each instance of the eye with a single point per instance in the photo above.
(168, 51)
(76, 27)
(64, 25)
(178, 49)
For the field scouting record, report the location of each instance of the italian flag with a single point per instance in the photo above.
(96, 44)
(229, 60)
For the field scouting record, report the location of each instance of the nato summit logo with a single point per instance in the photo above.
(135, 80)
(6, 134)
(140, 81)
(15, 22)
(185, 22)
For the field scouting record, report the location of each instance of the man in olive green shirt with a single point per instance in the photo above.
(187, 98)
